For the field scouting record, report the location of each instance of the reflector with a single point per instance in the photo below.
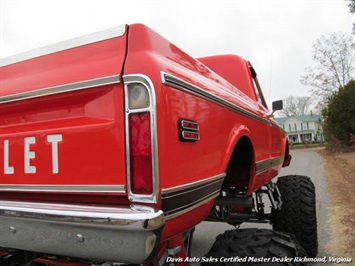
(138, 96)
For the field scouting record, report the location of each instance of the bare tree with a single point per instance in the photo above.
(351, 6)
(335, 58)
(297, 106)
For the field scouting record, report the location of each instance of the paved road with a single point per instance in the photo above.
(304, 162)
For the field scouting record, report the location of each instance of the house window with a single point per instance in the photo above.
(293, 127)
(306, 137)
(305, 126)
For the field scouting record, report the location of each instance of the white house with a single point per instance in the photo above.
(302, 128)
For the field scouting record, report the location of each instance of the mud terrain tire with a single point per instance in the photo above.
(254, 243)
(298, 213)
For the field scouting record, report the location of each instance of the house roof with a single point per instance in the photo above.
(309, 118)
(303, 118)
(281, 120)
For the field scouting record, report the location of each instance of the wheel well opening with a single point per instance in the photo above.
(240, 166)
(287, 158)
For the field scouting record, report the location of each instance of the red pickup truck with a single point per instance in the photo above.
(115, 145)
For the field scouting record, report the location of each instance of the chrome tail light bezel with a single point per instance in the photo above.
(147, 83)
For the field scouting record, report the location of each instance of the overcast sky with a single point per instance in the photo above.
(275, 35)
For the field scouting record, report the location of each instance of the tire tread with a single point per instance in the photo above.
(298, 213)
(255, 243)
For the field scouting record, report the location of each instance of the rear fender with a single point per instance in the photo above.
(288, 157)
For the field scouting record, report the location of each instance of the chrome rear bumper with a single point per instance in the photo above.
(128, 234)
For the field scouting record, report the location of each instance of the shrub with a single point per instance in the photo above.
(340, 115)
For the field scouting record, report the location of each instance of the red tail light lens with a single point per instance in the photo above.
(140, 153)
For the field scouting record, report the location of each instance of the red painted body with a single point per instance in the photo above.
(91, 124)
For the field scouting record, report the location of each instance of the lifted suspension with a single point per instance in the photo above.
(234, 208)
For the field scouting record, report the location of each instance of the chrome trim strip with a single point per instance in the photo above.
(81, 85)
(181, 199)
(63, 189)
(176, 202)
(180, 84)
(204, 200)
(193, 184)
(184, 192)
(263, 166)
(81, 213)
(145, 81)
(65, 45)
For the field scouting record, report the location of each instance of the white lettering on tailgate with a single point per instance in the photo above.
(7, 168)
(54, 139)
(29, 169)
(30, 154)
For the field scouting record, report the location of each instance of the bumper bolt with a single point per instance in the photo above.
(12, 230)
(80, 238)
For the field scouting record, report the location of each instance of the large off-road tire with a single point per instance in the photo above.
(298, 213)
(251, 244)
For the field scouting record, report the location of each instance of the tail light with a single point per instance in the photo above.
(140, 153)
(141, 144)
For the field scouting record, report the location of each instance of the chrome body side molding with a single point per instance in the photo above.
(265, 165)
(180, 84)
(181, 199)
(81, 85)
(64, 188)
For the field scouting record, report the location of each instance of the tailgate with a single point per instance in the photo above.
(62, 117)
